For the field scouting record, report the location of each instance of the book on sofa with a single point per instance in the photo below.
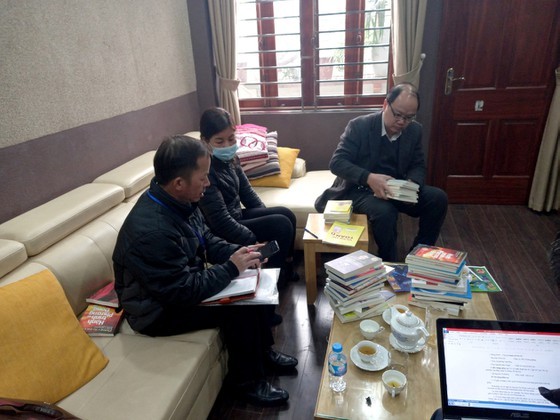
(106, 296)
(100, 321)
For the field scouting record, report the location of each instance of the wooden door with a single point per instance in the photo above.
(487, 130)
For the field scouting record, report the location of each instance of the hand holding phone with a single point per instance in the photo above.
(268, 250)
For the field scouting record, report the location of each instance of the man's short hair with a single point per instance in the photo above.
(396, 90)
(178, 156)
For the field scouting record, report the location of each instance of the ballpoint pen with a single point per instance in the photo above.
(311, 233)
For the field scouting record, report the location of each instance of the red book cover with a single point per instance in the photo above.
(437, 255)
(99, 320)
(106, 296)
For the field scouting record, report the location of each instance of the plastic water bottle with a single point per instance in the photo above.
(338, 365)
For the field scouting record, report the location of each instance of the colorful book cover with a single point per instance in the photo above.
(343, 234)
(99, 320)
(482, 280)
(436, 254)
(398, 279)
(106, 296)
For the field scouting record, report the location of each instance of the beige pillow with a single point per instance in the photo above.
(44, 353)
(287, 157)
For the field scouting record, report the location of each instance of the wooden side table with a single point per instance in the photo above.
(313, 246)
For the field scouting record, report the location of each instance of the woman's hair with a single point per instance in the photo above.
(178, 156)
(400, 88)
(214, 121)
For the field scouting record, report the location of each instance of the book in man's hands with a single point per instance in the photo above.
(106, 296)
(403, 190)
(100, 321)
(243, 286)
(343, 234)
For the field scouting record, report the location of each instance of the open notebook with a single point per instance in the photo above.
(498, 369)
(243, 286)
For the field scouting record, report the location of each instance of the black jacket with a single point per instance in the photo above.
(358, 152)
(159, 262)
(221, 204)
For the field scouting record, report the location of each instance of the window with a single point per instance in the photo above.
(313, 53)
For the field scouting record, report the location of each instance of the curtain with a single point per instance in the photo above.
(222, 22)
(545, 191)
(408, 30)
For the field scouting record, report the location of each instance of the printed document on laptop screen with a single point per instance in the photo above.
(501, 369)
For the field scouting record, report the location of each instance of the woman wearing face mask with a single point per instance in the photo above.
(230, 189)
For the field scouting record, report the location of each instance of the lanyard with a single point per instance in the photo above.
(196, 232)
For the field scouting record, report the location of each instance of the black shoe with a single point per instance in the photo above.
(262, 393)
(275, 319)
(280, 362)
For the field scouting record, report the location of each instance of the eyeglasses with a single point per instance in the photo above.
(403, 118)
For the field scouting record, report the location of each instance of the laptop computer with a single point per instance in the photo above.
(499, 369)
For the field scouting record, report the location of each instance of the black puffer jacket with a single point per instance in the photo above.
(221, 204)
(159, 262)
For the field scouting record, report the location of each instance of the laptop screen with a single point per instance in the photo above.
(499, 369)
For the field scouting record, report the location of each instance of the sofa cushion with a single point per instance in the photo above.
(146, 378)
(287, 157)
(133, 176)
(12, 254)
(44, 353)
(45, 225)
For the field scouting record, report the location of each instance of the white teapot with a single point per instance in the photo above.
(408, 329)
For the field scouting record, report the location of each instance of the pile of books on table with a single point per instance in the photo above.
(403, 190)
(338, 211)
(354, 286)
(440, 278)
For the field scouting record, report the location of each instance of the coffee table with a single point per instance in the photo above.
(422, 394)
(313, 246)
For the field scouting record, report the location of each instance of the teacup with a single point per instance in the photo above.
(367, 350)
(369, 328)
(394, 382)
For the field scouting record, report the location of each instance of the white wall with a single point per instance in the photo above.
(65, 63)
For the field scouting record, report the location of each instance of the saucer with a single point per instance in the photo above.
(379, 363)
(387, 316)
(421, 344)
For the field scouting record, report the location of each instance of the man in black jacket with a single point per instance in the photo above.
(375, 148)
(162, 274)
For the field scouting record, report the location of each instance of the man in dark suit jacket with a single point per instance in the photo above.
(375, 148)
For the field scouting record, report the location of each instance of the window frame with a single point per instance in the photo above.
(310, 63)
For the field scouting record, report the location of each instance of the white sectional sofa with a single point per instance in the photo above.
(73, 236)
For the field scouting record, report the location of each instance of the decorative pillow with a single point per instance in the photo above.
(251, 140)
(272, 165)
(44, 353)
(299, 168)
(287, 157)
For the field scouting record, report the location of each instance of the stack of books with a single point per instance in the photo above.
(403, 190)
(354, 286)
(338, 211)
(440, 278)
(102, 317)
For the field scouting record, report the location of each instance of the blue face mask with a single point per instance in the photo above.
(225, 154)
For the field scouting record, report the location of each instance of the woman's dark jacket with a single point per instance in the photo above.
(221, 204)
(159, 262)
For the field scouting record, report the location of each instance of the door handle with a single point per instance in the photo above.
(449, 79)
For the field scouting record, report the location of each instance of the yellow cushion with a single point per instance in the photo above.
(287, 158)
(44, 353)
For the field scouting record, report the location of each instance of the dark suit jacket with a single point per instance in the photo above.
(357, 154)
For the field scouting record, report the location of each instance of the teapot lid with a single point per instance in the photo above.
(408, 319)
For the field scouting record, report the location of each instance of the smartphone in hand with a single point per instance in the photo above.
(268, 250)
